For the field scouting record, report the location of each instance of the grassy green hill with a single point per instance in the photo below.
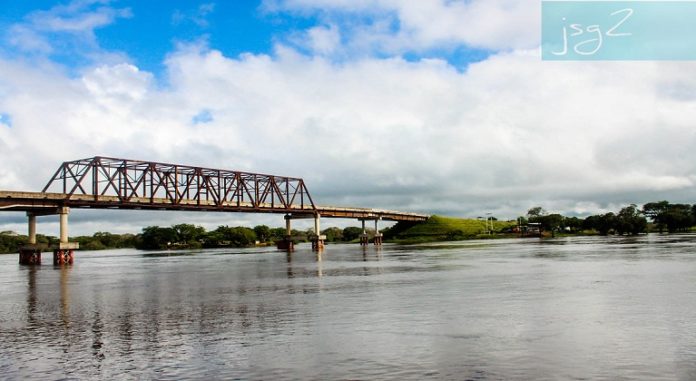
(438, 228)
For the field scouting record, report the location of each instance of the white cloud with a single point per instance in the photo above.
(199, 16)
(122, 82)
(79, 23)
(396, 26)
(27, 39)
(509, 133)
(65, 25)
(324, 39)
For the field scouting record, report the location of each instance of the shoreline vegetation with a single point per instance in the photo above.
(659, 217)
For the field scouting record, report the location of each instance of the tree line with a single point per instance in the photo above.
(191, 236)
(657, 216)
(182, 236)
(10, 241)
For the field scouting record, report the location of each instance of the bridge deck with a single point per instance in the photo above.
(46, 202)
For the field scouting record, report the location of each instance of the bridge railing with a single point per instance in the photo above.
(130, 180)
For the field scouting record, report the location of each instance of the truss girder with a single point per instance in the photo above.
(177, 185)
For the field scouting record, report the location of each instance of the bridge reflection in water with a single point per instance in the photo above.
(111, 183)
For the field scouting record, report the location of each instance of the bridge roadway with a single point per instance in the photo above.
(38, 202)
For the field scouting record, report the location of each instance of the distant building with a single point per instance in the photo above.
(532, 229)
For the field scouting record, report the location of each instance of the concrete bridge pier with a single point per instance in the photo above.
(364, 238)
(64, 254)
(286, 243)
(378, 236)
(318, 239)
(32, 228)
(30, 254)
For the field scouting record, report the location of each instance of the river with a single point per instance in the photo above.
(600, 308)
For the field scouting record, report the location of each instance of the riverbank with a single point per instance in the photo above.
(435, 229)
(439, 228)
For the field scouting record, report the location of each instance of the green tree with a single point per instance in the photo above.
(333, 234)
(10, 242)
(551, 222)
(573, 223)
(602, 223)
(351, 233)
(301, 236)
(536, 211)
(187, 233)
(263, 233)
(237, 236)
(590, 222)
(127, 240)
(277, 234)
(107, 239)
(673, 217)
(630, 221)
(92, 244)
(213, 238)
(155, 237)
(677, 217)
(655, 211)
(606, 223)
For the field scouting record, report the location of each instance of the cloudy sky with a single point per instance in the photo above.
(433, 106)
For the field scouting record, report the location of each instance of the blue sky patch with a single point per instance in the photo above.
(83, 33)
(6, 120)
(205, 116)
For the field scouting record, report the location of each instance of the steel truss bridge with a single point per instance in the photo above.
(111, 183)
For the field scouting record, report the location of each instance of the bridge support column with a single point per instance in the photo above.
(32, 228)
(64, 225)
(318, 239)
(31, 253)
(64, 254)
(286, 243)
(378, 235)
(364, 239)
